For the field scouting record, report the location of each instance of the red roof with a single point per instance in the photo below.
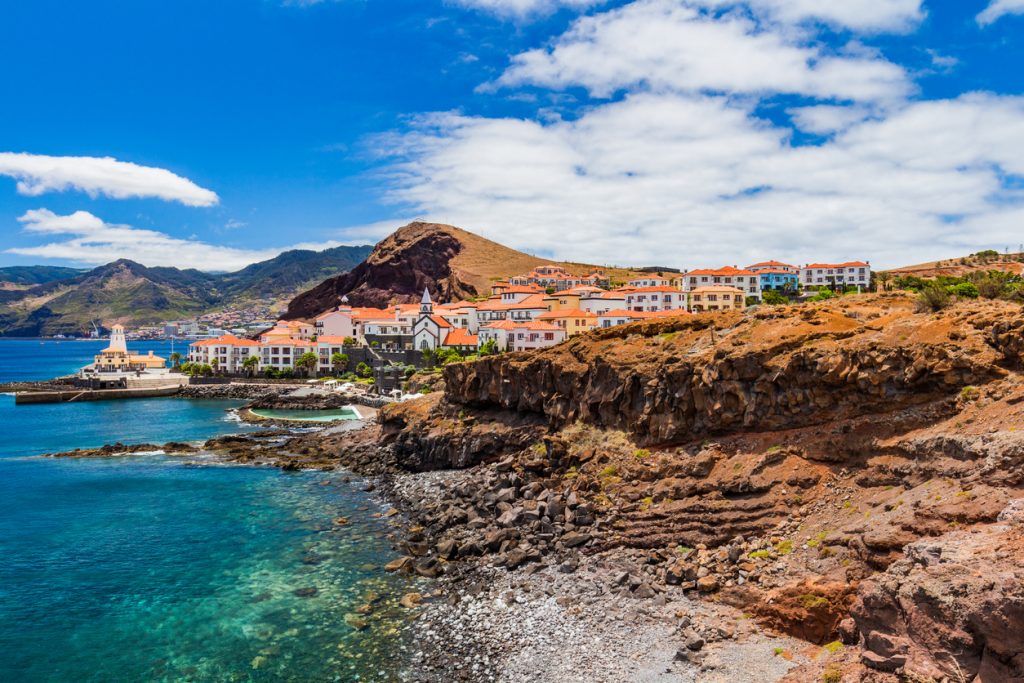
(439, 321)
(502, 325)
(779, 271)
(460, 337)
(554, 315)
(727, 271)
(662, 288)
(289, 342)
(226, 340)
(331, 339)
(851, 264)
(532, 301)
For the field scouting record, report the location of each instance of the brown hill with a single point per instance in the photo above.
(452, 263)
(958, 267)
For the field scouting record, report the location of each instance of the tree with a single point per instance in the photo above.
(250, 365)
(489, 348)
(339, 361)
(348, 341)
(214, 365)
(307, 363)
(773, 298)
(364, 370)
(883, 278)
(176, 360)
(206, 370)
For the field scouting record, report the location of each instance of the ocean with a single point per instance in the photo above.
(148, 568)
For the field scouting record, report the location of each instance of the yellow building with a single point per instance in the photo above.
(716, 298)
(572, 321)
(116, 357)
(567, 300)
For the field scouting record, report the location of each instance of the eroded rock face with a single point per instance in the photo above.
(953, 608)
(397, 271)
(704, 375)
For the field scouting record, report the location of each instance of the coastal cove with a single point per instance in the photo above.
(155, 567)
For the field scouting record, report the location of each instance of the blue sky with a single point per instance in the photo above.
(684, 133)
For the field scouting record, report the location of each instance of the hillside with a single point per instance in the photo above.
(36, 275)
(850, 473)
(958, 267)
(452, 263)
(133, 294)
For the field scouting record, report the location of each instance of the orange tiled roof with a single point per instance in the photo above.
(851, 264)
(330, 339)
(532, 301)
(554, 315)
(460, 337)
(727, 271)
(770, 264)
(289, 342)
(661, 288)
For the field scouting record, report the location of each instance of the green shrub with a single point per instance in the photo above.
(964, 290)
(932, 298)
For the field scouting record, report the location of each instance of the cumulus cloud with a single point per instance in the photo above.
(858, 15)
(665, 45)
(524, 8)
(37, 174)
(700, 180)
(87, 239)
(998, 9)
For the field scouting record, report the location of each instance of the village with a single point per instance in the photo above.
(531, 311)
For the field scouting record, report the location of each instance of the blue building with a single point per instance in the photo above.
(777, 280)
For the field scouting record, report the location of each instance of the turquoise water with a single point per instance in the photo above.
(332, 415)
(147, 568)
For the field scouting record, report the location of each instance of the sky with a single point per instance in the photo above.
(678, 133)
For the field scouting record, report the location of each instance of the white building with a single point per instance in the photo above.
(336, 323)
(227, 353)
(853, 273)
(510, 335)
(749, 281)
(655, 299)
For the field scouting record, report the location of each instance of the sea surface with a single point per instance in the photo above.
(155, 568)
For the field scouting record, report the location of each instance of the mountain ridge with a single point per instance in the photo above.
(130, 293)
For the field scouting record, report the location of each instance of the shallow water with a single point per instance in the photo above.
(331, 415)
(147, 568)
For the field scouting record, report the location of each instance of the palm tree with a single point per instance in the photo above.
(176, 360)
(307, 362)
(215, 364)
(339, 361)
(250, 364)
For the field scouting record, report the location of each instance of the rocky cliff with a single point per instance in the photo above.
(847, 472)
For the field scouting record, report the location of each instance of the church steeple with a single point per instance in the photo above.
(426, 305)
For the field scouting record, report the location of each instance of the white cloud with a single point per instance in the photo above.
(668, 46)
(87, 239)
(858, 15)
(37, 174)
(998, 9)
(825, 119)
(698, 180)
(524, 8)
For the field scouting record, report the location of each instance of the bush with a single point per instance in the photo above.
(932, 298)
(824, 294)
(773, 298)
(964, 290)
(363, 370)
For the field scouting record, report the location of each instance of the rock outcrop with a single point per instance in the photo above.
(673, 380)
(452, 263)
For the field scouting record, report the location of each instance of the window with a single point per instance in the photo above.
(549, 336)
